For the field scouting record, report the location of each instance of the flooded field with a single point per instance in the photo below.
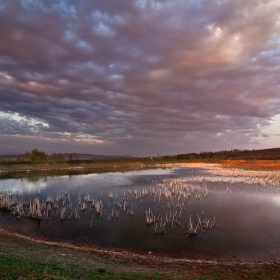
(193, 212)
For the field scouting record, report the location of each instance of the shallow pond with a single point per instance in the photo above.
(181, 212)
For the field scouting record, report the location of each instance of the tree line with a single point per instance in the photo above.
(265, 154)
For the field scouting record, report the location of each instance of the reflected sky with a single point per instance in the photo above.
(63, 183)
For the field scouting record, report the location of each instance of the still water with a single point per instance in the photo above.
(243, 221)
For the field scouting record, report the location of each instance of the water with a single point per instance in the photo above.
(243, 219)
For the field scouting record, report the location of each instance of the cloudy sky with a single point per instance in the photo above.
(138, 77)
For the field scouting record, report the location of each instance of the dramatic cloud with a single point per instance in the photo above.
(139, 77)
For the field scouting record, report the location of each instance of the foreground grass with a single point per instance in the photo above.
(25, 259)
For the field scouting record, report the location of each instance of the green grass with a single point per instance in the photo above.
(124, 262)
(215, 275)
(20, 262)
(18, 169)
(15, 268)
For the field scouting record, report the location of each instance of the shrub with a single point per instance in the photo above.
(35, 155)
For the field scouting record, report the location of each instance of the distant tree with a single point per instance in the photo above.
(56, 156)
(35, 155)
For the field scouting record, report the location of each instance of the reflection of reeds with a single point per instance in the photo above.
(149, 216)
(63, 213)
(117, 213)
(98, 206)
(84, 206)
(173, 195)
(77, 215)
(159, 227)
(35, 209)
(18, 210)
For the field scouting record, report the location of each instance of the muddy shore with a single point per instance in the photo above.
(184, 268)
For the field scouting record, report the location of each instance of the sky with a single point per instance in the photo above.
(139, 78)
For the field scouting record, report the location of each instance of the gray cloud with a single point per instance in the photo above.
(138, 77)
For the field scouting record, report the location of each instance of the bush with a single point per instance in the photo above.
(35, 155)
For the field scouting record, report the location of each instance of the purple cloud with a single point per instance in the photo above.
(138, 77)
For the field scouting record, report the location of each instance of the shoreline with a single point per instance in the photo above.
(128, 255)
(183, 267)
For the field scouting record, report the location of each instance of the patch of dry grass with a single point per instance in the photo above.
(252, 164)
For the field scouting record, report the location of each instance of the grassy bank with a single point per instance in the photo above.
(73, 167)
(24, 165)
(22, 258)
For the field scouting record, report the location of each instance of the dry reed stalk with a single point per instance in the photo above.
(63, 213)
(35, 209)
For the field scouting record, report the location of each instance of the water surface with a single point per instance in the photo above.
(245, 217)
